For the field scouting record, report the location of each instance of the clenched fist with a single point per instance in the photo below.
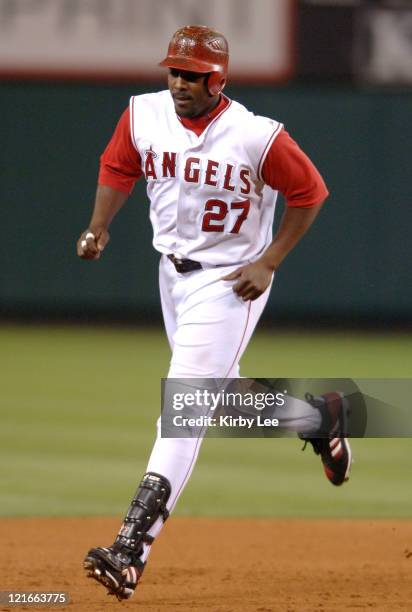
(91, 243)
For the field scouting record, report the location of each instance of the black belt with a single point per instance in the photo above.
(184, 265)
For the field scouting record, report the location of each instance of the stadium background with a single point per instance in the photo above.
(81, 345)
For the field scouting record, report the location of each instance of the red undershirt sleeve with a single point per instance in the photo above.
(120, 163)
(289, 170)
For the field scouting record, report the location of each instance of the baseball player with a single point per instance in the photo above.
(213, 170)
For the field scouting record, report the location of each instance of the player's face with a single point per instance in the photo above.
(190, 93)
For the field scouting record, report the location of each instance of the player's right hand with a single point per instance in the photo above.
(92, 242)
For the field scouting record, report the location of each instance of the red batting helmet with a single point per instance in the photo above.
(200, 49)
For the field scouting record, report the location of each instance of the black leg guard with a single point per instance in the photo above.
(147, 505)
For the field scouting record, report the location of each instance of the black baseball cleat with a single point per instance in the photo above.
(114, 570)
(334, 448)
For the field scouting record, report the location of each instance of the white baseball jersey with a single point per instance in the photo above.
(208, 201)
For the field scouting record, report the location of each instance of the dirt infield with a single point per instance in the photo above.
(222, 565)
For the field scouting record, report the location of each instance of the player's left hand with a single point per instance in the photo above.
(252, 280)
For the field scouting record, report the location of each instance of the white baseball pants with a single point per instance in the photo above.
(208, 327)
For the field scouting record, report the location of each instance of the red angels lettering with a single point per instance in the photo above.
(169, 164)
(192, 174)
(149, 167)
(211, 169)
(244, 178)
(228, 176)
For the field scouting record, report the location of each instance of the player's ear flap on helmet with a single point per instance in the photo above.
(215, 83)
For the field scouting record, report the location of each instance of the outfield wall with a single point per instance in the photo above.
(354, 264)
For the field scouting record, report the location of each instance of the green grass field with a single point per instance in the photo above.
(78, 408)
